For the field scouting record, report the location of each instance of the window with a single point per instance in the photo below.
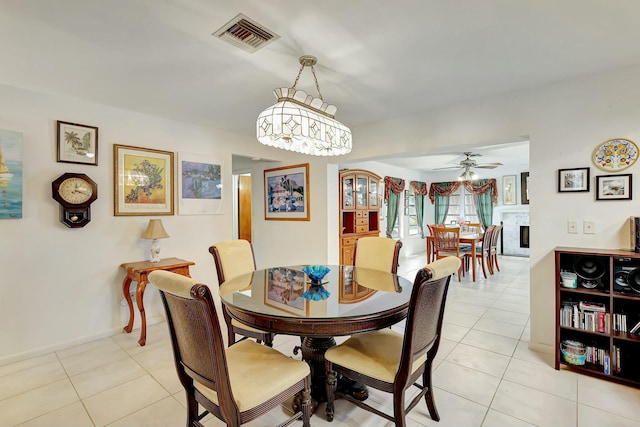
(410, 208)
(461, 206)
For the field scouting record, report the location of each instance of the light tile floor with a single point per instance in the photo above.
(484, 375)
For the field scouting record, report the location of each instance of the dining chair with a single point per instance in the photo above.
(235, 384)
(431, 242)
(447, 243)
(483, 253)
(378, 253)
(233, 258)
(493, 258)
(391, 361)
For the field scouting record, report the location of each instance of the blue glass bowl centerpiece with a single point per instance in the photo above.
(316, 293)
(316, 273)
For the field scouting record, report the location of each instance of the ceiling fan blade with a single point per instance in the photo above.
(488, 165)
(449, 167)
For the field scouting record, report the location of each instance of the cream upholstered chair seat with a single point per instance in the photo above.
(235, 384)
(250, 364)
(391, 361)
(375, 354)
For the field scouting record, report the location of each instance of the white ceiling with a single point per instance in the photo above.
(377, 59)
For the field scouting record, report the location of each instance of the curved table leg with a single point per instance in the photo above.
(125, 291)
(143, 317)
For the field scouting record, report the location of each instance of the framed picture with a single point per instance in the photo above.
(509, 190)
(77, 143)
(286, 192)
(199, 185)
(613, 187)
(524, 188)
(285, 287)
(143, 181)
(573, 180)
(11, 171)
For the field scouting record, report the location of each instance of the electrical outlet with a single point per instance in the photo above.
(589, 226)
(572, 226)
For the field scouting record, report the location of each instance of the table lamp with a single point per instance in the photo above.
(155, 231)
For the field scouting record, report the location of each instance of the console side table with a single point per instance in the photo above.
(138, 272)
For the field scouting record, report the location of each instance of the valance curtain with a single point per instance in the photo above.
(392, 189)
(420, 190)
(485, 192)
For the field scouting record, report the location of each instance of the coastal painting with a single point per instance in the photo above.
(10, 175)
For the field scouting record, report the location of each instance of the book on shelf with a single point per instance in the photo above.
(592, 306)
(635, 329)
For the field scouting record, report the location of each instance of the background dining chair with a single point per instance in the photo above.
(431, 241)
(447, 243)
(234, 258)
(493, 259)
(378, 253)
(390, 361)
(236, 384)
(483, 253)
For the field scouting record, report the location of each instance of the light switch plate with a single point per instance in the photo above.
(589, 226)
(572, 226)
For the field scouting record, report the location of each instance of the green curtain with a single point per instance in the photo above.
(484, 206)
(392, 211)
(393, 187)
(441, 204)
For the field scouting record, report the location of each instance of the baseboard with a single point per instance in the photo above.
(18, 357)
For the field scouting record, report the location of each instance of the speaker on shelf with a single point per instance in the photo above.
(590, 271)
(635, 233)
(626, 275)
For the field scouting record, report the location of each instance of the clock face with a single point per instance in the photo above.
(75, 190)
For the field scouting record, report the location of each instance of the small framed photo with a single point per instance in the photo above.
(613, 187)
(286, 192)
(509, 190)
(143, 181)
(77, 143)
(573, 180)
(524, 188)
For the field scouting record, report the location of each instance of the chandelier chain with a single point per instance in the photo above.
(315, 78)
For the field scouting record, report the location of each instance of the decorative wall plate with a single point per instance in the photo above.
(615, 155)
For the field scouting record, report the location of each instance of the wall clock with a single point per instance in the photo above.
(75, 192)
(615, 155)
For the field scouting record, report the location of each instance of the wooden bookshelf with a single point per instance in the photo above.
(601, 286)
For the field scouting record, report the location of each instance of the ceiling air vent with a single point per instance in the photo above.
(246, 34)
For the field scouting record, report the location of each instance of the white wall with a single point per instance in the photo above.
(61, 286)
(565, 122)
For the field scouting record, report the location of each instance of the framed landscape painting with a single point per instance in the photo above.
(199, 185)
(143, 181)
(286, 192)
(10, 175)
(613, 187)
(77, 143)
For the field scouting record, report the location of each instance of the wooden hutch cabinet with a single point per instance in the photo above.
(359, 209)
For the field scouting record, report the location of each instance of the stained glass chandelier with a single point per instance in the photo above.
(302, 123)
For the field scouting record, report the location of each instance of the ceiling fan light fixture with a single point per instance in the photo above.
(302, 123)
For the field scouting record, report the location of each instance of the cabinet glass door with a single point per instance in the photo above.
(373, 193)
(347, 193)
(361, 192)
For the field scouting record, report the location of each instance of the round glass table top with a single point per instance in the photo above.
(346, 292)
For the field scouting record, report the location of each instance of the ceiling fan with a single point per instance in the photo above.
(468, 163)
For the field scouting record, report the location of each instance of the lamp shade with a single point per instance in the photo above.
(155, 230)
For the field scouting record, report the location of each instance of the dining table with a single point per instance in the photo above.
(348, 300)
(466, 238)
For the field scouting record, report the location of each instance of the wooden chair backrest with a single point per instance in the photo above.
(495, 235)
(447, 239)
(196, 338)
